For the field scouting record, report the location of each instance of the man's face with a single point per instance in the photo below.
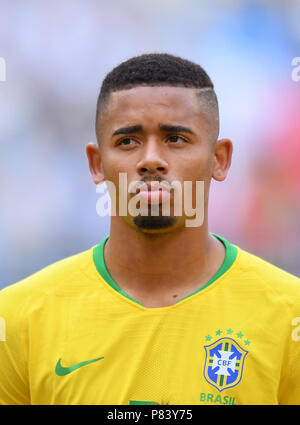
(157, 134)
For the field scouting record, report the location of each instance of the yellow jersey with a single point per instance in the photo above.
(70, 335)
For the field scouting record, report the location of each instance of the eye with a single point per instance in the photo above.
(177, 140)
(126, 142)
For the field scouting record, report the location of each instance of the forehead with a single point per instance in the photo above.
(172, 102)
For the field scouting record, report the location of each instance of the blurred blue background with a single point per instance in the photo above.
(57, 54)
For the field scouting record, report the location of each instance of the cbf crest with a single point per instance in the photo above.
(224, 363)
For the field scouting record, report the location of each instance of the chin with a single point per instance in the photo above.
(154, 224)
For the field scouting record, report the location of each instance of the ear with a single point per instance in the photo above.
(222, 159)
(95, 162)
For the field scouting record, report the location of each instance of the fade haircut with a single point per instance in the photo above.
(159, 69)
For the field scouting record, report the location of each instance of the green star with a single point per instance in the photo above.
(240, 335)
(229, 331)
(247, 342)
(208, 338)
(218, 332)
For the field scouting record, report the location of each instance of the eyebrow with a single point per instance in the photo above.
(164, 127)
(176, 128)
(128, 130)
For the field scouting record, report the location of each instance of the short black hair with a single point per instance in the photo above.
(154, 69)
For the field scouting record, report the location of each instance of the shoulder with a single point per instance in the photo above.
(46, 282)
(267, 276)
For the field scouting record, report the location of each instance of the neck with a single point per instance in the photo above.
(173, 260)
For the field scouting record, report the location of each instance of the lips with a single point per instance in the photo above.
(154, 196)
(154, 192)
(154, 185)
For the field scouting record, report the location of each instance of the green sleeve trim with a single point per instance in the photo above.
(98, 257)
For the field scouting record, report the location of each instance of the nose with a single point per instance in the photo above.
(152, 159)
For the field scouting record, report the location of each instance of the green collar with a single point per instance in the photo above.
(98, 256)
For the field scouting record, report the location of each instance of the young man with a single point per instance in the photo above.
(161, 311)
